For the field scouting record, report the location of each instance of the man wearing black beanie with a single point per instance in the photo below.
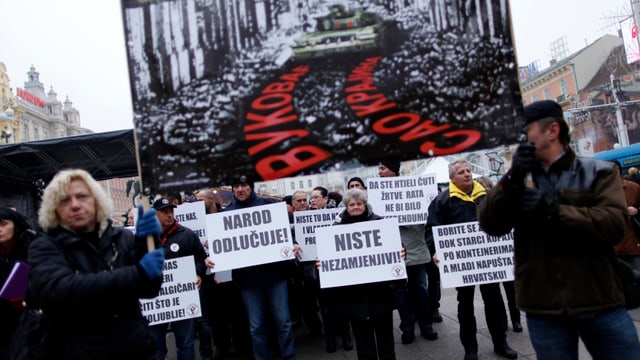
(567, 213)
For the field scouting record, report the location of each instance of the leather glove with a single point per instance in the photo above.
(533, 200)
(524, 161)
(152, 263)
(148, 223)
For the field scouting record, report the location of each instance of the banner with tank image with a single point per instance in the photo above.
(277, 88)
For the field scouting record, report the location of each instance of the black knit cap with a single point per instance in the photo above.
(242, 179)
(357, 179)
(542, 109)
(392, 165)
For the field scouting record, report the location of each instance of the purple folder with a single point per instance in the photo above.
(16, 284)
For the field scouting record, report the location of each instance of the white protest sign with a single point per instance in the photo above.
(178, 298)
(468, 256)
(193, 216)
(304, 226)
(251, 236)
(359, 253)
(405, 197)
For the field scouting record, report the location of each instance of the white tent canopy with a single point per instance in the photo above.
(440, 167)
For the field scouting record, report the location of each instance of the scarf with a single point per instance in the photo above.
(476, 192)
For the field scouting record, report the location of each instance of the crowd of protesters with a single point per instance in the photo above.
(87, 276)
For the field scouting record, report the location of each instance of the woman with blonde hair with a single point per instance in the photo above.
(88, 276)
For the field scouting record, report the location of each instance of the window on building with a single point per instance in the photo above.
(309, 183)
(563, 87)
(534, 98)
(547, 94)
(293, 185)
(301, 184)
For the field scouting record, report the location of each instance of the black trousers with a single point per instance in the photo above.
(374, 337)
(494, 311)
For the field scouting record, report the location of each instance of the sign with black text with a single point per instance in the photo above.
(304, 226)
(193, 216)
(359, 253)
(251, 236)
(406, 198)
(469, 256)
(178, 298)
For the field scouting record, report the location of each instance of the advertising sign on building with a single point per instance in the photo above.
(275, 89)
(630, 39)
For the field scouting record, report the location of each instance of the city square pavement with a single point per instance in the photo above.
(447, 346)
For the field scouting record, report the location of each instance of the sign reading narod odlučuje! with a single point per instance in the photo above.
(274, 88)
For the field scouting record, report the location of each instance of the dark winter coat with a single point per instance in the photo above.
(563, 255)
(446, 209)
(89, 288)
(181, 241)
(10, 313)
(363, 301)
(265, 273)
(630, 245)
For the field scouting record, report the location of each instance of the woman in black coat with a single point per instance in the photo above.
(369, 307)
(14, 242)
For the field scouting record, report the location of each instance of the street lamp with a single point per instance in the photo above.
(6, 115)
(616, 91)
(6, 134)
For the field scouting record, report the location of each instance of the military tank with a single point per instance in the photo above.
(343, 31)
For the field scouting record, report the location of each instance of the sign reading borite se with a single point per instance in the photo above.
(469, 256)
(272, 89)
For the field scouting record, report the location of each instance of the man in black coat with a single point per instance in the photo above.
(457, 204)
(178, 241)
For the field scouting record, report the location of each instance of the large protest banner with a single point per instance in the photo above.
(359, 253)
(469, 256)
(406, 198)
(304, 227)
(251, 236)
(178, 298)
(276, 88)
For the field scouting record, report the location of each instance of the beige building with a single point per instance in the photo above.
(29, 114)
(36, 115)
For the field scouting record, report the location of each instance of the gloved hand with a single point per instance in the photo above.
(524, 160)
(533, 200)
(148, 223)
(152, 263)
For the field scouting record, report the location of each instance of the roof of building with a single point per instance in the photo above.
(586, 61)
(104, 155)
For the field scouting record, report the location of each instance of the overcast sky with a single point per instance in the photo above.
(79, 49)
